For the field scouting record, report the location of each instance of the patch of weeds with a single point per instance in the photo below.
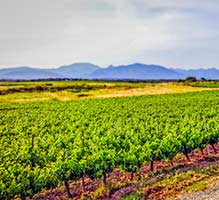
(198, 186)
(180, 178)
(212, 170)
(100, 192)
(113, 187)
(132, 197)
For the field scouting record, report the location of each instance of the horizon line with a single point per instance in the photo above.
(104, 67)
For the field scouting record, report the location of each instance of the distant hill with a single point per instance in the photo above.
(136, 71)
(76, 70)
(26, 73)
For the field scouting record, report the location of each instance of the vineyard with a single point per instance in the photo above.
(45, 144)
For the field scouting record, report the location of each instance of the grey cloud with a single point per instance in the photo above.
(49, 33)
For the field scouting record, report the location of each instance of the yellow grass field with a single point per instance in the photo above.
(71, 90)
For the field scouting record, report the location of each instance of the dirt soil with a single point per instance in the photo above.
(122, 185)
(211, 193)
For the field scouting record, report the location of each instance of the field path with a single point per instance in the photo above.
(211, 193)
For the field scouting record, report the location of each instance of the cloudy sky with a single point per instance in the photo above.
(49, 33)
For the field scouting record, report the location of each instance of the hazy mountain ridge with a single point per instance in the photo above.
(27, 73)
(73, 71)
(76, 70)
(136, 71)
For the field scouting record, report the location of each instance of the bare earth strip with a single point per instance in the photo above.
(211, 193)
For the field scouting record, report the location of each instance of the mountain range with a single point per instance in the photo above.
(136, 71)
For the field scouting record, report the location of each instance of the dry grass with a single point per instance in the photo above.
(151, 90)
(111, 90)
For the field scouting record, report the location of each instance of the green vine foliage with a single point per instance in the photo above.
(43, 144)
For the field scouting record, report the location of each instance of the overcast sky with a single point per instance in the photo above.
(50, 33)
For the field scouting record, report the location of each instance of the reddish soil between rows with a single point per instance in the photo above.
(121, 185)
